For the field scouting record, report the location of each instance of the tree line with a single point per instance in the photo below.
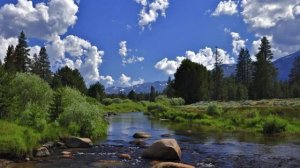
(252, 79)
(18, 59)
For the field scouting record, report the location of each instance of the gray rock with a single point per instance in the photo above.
(42, 152)
(76, 142)
(141, 135)
(165, 149)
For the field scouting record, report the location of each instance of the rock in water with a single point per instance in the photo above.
(172, 165)
(141, 135)
(76, 142)
(165, 149)
(42, 152)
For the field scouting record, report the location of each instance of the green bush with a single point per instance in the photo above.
(80, 117)
(157, 108)
(176, 101)
(116, 100)
(25, 89)
(214, 110)
(274, 124)
(162, 99)
(35, 117)
(107, 101)
(16, 140)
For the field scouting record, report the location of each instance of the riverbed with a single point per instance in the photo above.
(200, 147)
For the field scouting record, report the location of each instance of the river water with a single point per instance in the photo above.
(200, 148)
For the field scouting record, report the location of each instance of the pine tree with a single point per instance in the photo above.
(294, 78)
(22, 62)
(96, 91)
(191, 82)
(217, 75)
(132, 95)
(68, 77)
(44, 65)
(244, 68)
(264, 76)
(169, 90)
(9, 60)
(152, 94)
(56, 107)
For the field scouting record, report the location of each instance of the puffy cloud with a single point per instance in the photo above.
(107, 79)
(38, 21)
(126, 81)
(132, 59)
(124, 52)
(226, 8)
(4, 43)
(142, 2)
(123, 48)
(237, 42)
(76, 53)
(277, 19)
(151, 11)
(204, 57)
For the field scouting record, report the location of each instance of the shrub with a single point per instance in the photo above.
(180, 119)
(176, 101)
(35, 117)
(214, 110)
(16, 140)
(107, 101)
(274, 124)
(25, 89)
(80, 117)
(162, 99)
(117, 100)
(157, 108)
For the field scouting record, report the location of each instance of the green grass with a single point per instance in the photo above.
(265, 116)
(17, 140)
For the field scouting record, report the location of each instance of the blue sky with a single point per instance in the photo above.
(190, 29)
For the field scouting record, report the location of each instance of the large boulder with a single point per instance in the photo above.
(42, 152)
(76, 142)
(165, 149)
(172, 165)
(141, 135)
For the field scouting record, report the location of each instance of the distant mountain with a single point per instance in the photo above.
(141, 88)
(283, 66)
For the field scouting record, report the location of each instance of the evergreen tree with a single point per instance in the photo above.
(169, 90)
(152, 94)
(35, 69)
(56, 107)
(9, 60)
(96, 91)
(244, 68)
(191, 82)
(43, 65)
(132, 95)
(294, 78)
(68, 77)
(217, 76)
(22, 61)
(264, 76)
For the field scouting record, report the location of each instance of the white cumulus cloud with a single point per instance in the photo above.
(108, 80)
(42, 20)
(226, 8)
(123, 48)
(77, 53)
(277, 19)
(127, 81)
(237, 42)
(151, 11)
(204, 57)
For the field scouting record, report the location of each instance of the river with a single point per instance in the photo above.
(200, 148)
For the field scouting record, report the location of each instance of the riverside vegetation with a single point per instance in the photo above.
(37, 106)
